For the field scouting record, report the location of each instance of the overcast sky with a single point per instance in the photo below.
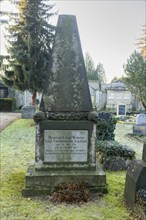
(108, 29)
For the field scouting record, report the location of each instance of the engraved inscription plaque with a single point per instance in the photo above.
(65, 145)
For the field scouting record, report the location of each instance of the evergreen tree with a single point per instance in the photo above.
(142, 43)
(90, 67)
(30, 46)
(93, 73)
(135, 76)
(100, 72)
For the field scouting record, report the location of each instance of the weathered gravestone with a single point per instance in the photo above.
(141, 119)
(140, 127)
(65, 148)
(105, 116)
(28, 111)
(135, 185)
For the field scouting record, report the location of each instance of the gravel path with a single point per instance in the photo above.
(7, 118)
(120, 136)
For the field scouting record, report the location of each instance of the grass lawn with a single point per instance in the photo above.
(121, 136)
(17, 150)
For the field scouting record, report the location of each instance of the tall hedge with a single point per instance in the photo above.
(106, 125)
(7, 104)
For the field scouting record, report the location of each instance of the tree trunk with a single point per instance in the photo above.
(34, 98)
(144, 105)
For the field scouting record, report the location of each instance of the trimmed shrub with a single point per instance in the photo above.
(115, 164)
(114, 156)
(7, 104)
(106, 125)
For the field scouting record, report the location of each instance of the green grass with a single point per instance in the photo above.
(17, 150)
(121, 136)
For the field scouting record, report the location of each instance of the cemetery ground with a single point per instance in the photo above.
(17, 150)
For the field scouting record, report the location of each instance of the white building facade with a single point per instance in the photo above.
(114, 97)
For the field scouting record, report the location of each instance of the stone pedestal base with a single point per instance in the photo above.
(139, 129)
(44, 182)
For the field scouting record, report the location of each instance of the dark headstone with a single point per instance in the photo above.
(144, 153)
(105, 116)
(135, 180)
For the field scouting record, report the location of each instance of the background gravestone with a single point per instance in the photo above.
(28, 111)
(105, 116)
(141, 119)
(140, 127)
(65, 149)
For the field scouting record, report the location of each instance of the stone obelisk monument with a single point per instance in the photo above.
(65, 148)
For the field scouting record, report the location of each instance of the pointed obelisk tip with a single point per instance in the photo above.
(67, 86)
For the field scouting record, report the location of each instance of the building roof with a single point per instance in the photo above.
(117, 85)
